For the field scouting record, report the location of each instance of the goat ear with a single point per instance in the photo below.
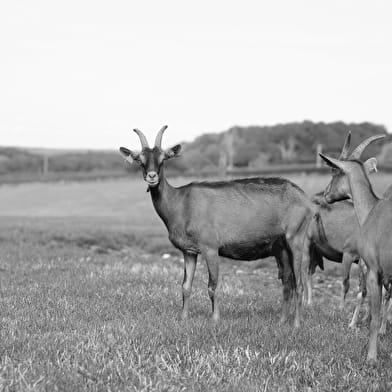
(370, 165)
(331, 162)
(173, 152)
(128, 155)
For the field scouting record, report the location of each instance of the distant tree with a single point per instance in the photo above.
(385, 156)
(253, 146)
(260, 161)
(245, 153)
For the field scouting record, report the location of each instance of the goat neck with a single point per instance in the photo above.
(362, 194)
(163, 198)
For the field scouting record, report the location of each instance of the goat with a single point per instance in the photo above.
(334, 230)
(362, 290)
(349, 179)
(244, 219)
(333, 233)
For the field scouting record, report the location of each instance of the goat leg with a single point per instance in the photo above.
(347, 262)
(374, 286)
(190, 260)
(212, 259)
(284, 258)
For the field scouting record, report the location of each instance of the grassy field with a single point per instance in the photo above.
(90, 301)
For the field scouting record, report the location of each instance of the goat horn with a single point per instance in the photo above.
(344, 153)
(158, 140)
(142, 137)
(356, 154)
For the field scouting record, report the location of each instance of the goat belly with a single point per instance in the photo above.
(247, 250)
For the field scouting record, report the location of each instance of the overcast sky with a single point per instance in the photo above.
(84, 73)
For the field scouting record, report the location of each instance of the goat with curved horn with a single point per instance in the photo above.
(374, 217)
(356, 154)
(142, 137)
(158, 139)
(335, 242)
(324, 238)
(244, 219)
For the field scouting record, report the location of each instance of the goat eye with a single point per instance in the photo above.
(138, 160)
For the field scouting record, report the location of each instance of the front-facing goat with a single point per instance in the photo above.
(243, 219)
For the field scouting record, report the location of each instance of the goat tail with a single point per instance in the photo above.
(311, 256)
(320, 226)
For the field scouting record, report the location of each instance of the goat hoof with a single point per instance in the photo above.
(215, 319)
(307, 303)
(183, 317)
(371, 362)
(283, 320)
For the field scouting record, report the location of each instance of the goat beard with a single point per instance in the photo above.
(151, 186)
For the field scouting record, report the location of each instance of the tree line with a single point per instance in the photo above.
(238, 147)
